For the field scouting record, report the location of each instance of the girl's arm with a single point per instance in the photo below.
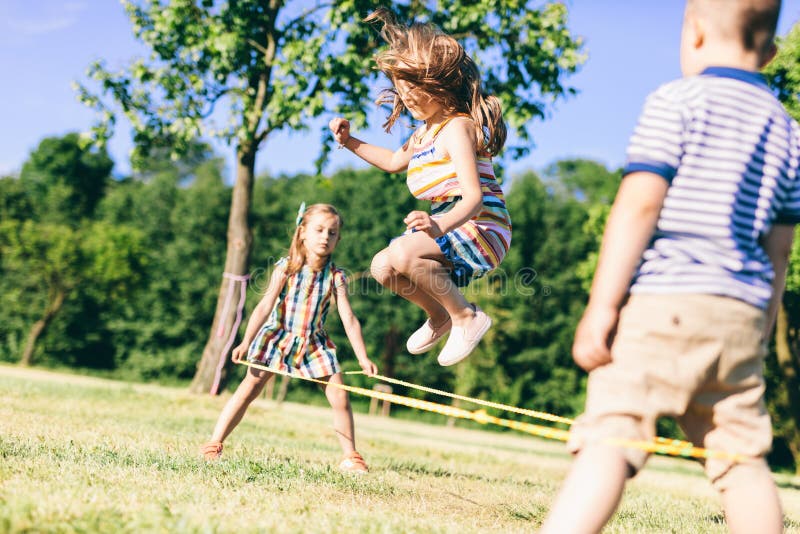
(260, 313)
(459, 141)
(353, 330)
(380, 157)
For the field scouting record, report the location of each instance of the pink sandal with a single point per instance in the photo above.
(354, 463)
(212, 451)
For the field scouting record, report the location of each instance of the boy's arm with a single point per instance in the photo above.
(353, 330)
(630, 226)
(778, 246)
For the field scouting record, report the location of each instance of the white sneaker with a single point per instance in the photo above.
(463, 340)
(426, 336)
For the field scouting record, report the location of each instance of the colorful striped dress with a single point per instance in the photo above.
(480, 244)
(294, 340)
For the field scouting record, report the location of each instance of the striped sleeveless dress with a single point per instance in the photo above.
(294, 340)
(480, 244)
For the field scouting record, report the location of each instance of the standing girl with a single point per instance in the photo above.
(449, 163)
(293, 339)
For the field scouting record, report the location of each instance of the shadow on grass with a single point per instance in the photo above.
(788, 484)
(716, 519)
(535, 514)
(719, 519)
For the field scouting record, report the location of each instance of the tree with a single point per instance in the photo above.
(51, 261)
(15, 203)
(583, 179)
(783, 366)
(65, 179)
(180, 207)
(267, 65)
(48, 247)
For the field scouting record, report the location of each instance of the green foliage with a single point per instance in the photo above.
(593, 228)
(783, 72)
(64, 179)
(46, 266)
(243, 70)
(15, 203)
(583, 179)
(783, 377)
(181, 210)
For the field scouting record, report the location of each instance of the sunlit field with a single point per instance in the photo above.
(85, 454)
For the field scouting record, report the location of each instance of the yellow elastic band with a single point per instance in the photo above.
(666, 447)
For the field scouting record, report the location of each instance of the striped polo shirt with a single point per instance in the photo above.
(730, 154)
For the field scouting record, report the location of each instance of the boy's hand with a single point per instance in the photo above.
(368, 367)
(239, 352)
(593, 337)
(340, 127)
(422, 222)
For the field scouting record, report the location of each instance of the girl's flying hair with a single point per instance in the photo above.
(426, 57)
(297, 253)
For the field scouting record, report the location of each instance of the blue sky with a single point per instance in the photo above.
(46, 44)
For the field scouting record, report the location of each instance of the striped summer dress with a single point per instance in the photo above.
(479, 245)
(293, 340)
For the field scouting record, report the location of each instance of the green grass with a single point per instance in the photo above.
(81, 454)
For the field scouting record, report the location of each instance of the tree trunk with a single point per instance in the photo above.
(240, 239)
(40, 326)
(789, 379)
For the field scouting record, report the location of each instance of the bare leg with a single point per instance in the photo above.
(342, 414)
(751, 501)
(591, 492)
(397, 283)
(419, 260)
(234, 409)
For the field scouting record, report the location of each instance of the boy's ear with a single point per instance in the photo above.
(698, 27)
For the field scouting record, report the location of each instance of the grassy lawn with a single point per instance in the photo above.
(81, 454)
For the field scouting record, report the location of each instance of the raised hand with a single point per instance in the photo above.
(340, 127)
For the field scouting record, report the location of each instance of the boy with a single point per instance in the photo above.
(691, 270)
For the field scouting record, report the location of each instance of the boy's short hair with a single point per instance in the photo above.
(751, 22)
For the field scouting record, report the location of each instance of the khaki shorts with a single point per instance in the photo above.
(697, 358)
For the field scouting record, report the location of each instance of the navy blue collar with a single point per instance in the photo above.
(754, 78)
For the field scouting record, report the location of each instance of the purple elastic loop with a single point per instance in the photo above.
(221, 330)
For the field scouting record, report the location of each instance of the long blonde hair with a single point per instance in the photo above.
(426, 57)
(297, 253)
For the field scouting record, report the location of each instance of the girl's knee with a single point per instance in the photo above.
(338, 398)
(400, 257)
(381, 267)
(252, 384)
